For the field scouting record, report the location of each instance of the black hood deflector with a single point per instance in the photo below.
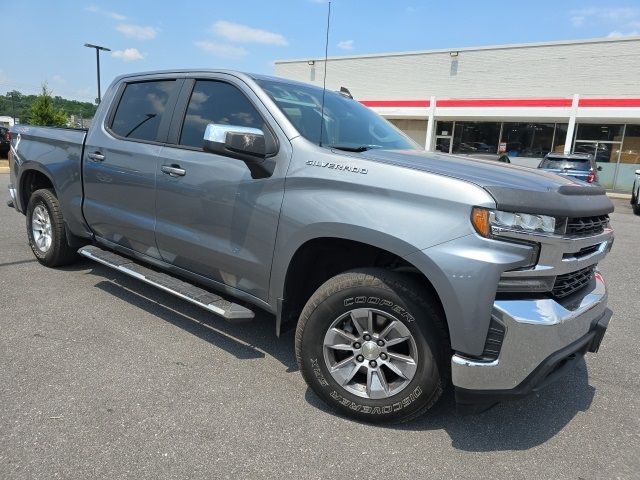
(514, 188)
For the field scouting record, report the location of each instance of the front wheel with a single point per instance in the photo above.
(372, 344)
(46, 231)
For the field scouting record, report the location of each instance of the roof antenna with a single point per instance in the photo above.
(324, 81)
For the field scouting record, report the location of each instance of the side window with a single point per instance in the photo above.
(141, 108)
(216, 102)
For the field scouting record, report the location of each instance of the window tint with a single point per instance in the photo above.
(216, 102)
(345, 122)
(141, 108)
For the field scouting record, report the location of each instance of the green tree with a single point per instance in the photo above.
(44, 112)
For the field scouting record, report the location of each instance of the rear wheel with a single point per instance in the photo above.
(46, 231)
(372, 345)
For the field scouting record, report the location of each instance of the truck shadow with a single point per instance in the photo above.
(516, 425)
(247, 340)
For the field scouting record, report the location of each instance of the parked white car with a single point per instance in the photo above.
(635, 194)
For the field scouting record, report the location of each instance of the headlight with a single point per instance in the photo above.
(483, 219)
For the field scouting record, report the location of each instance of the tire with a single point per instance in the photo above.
(635, 204)
(46, 230)
(356, 387)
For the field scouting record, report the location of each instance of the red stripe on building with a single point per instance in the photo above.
(609, 102)
(506, 102)
(395, 103)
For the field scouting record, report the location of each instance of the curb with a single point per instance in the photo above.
(622, 196)
(4, 169)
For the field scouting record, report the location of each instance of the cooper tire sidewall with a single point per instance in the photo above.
(413, 397)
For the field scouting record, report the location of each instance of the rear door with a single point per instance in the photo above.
(215, 219)
(120, 163)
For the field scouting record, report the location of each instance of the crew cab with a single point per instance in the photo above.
(402, 271)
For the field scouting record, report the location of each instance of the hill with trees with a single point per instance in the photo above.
(18, 105)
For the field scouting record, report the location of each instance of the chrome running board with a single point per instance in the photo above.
(187, 291)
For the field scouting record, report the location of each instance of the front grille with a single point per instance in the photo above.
(585, 226)
(493, 343)
(572, 282)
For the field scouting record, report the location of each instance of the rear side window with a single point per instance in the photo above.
(216, 102)
(566, 164)
(141, 109)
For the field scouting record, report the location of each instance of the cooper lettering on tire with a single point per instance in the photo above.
(372, 344)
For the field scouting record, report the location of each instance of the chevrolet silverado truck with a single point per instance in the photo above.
(402, 271)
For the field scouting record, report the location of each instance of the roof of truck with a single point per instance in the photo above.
(235, 73)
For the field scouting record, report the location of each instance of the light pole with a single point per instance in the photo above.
(98, 48)
(13, 108)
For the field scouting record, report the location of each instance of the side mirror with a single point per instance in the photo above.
(599, 168)
(637, 172)
(250, 145)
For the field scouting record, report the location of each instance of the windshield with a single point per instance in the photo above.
(348, 125)
(566, 164)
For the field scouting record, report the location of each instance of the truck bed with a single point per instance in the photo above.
(56, 152)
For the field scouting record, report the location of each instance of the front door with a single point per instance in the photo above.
(120, 166)
(215, 219)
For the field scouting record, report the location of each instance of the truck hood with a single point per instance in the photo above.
(514, 188)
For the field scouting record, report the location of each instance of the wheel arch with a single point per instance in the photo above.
(32, 178)
(319, 258)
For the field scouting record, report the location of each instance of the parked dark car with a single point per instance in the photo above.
(580, 166)
(5, 141)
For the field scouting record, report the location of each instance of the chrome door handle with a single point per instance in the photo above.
(96, 157)
(173, 170)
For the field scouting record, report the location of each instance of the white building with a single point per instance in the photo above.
(6, 121)
(571, 96)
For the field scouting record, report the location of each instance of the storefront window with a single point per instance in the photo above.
(444, 128)
(602, 141)
(608, 133)
(476, 137)
(629, 159)
(560, 137)
(527, 139)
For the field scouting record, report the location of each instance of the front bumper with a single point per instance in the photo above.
(11, 202)
(541, 336)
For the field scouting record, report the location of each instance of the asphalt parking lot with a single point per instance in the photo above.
(104, 377)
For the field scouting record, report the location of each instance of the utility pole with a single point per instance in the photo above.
(13, 108)
(98, 48)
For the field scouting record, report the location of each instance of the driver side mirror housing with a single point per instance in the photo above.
(251, 145)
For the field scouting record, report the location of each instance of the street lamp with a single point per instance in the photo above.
(98, 48)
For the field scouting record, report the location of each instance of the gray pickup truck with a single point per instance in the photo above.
(402, 271)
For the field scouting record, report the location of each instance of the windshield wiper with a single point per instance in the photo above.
(354, 148)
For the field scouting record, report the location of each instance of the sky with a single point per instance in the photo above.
(42, 40)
